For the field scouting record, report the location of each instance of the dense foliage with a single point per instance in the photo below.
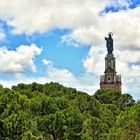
(54, 112)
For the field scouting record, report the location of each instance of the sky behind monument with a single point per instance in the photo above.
(63, 41)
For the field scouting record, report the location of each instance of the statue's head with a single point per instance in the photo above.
(110, 34)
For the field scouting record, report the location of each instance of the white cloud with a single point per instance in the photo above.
(89, 87)
(86, 35)
(86, 82)
(94, 61)
(46, 62)
(128, 56)
(19, 60)
(58, 75)
(123, 24)
(39, 16)
(130, 78)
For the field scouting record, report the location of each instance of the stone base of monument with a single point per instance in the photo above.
(114, 86)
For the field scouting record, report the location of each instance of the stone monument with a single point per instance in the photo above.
(110, 79)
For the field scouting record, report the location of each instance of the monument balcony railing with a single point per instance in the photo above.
(116, 80)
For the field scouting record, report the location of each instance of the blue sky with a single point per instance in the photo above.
(64, 42)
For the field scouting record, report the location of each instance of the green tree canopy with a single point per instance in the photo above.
(53, 112)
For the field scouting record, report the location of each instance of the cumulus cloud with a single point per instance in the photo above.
(39, 16)
(86, 82)
(46, 62)
(19, 60)
(58, 75)
(85, 35)
(126, 31)
(94, 61)
(131, 56)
